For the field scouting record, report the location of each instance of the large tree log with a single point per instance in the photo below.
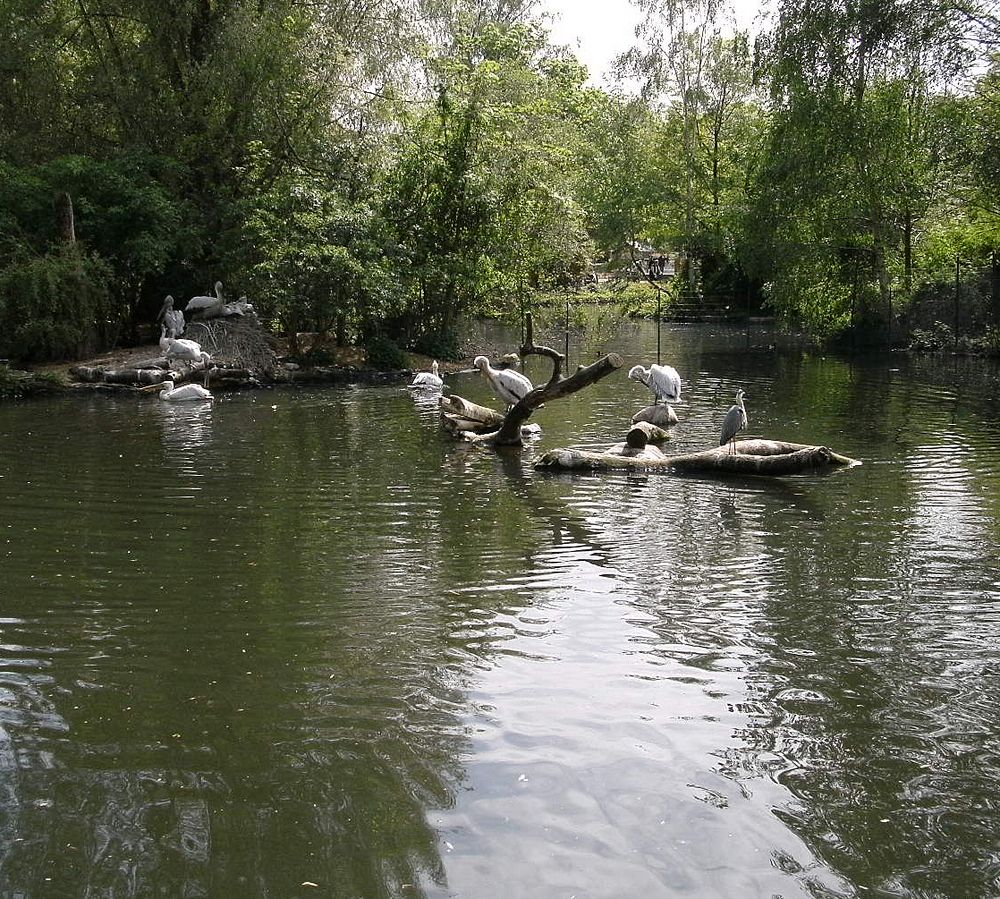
(459, 407)
(92, 375)
(140, 376)
(753, 457)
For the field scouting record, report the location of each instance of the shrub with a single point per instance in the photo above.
(439, 346)
(384, 353)
(55, 306)
(930, 340)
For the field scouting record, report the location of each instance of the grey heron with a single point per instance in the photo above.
(734, 422)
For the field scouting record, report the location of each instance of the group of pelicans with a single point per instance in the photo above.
(508, 384)
(172, 325)
(511, 387)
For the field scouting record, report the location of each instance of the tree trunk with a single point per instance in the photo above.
(64, 218)
(510, 433)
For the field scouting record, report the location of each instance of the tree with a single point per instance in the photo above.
(848, 168)
(482, 200)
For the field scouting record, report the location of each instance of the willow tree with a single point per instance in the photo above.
(848, 169)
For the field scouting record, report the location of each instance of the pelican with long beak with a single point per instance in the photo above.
(186, 393)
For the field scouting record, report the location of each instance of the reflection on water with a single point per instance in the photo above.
(301, 638)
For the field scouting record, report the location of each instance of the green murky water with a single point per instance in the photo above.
(303, 644)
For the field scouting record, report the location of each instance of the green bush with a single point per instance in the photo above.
(55, 306)
(439, 346)
(384, 353)
(930, 340)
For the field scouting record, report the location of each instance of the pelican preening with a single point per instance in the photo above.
(183, 349)
(661, 379)
(173, 319)
(428, 379)
(734, 422)
(186, 393)
(511, 386)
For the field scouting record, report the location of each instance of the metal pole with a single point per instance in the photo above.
(567, 330)
(958, 276)
(748, 317)
(658, 294)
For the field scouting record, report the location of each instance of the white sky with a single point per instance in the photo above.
(599, 30)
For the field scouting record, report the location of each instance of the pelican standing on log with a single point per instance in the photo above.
(428, 379)
(661, 379)
(734, 422)
(511, 386)
(186, 393)
(183, 349)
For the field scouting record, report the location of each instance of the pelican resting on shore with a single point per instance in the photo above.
(173, 319)
(182, 349)
(511, 386)
(186, 393)
(734, 422)
(661, 379)
(430, 380)
(207, 307)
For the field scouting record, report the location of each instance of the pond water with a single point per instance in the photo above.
(301, 643)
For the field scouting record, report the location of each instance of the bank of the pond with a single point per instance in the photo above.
(15, 384)
(345, 365)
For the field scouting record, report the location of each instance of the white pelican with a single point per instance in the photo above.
(428, 379)
(511, 386)
(186, 393)
(661, 379)
(173, 319)
(183, 349)
(734, 422)
(207, 307)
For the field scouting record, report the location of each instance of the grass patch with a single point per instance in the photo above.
(16, 384)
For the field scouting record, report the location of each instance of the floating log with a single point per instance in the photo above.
(661, 416)
(752, 457)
